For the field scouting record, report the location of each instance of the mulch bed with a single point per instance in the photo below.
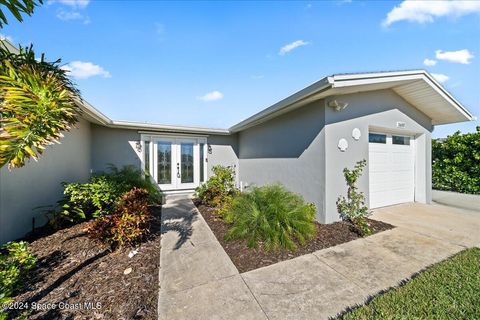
(246, 259)
(74, 269)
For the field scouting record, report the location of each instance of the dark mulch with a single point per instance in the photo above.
(75, 269)
(246, 259)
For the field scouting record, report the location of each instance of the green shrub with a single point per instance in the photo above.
(353, 208)
(218, 187)
(129, 177)
(15, 261)
(226, 205)
(93, 199)
(272, 215)
(456, 163)
(99, 196)
(128, 224)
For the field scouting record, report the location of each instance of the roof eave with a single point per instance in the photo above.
(363, 79)
(280, 107)
(166, 128)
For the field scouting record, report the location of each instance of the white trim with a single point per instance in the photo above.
(339, 81)
(319, 89)
(175, 141)
(149, 133)
(274, 110)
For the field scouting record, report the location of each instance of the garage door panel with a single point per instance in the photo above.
(391, 173)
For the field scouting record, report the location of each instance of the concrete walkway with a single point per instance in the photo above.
(198, 280)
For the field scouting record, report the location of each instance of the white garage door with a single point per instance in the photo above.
(391, 169)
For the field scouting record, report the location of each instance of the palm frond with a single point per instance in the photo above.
(272, 215)
(37, 103)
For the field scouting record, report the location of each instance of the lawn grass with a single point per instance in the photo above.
(448, 290)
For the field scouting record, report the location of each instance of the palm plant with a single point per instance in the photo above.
(16, 8)
(37, 103)
(272, 215)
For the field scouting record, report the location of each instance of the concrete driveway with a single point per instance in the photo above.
(453, 225)
(199, 281)
(457, 200)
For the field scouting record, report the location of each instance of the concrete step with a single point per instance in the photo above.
(171, 197)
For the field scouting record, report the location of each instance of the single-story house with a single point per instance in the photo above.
(304, 142)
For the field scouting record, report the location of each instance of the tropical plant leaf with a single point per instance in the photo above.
(37, 103)
(17, 8)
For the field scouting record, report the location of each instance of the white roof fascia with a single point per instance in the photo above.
(166, 128)
(91, 111)
(447, 96)
(372, 78)
(277, 108)
(346, 82)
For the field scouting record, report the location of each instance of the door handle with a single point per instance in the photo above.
(178, 170)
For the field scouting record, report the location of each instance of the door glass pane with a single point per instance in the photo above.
(164, 168)
(401, 140)
(186, 155)
(377, 138)
(146, 156)
(202, 161)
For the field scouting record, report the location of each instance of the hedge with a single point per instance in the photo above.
(456, 162)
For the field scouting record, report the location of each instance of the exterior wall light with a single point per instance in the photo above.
(337, 105)
(138, 146)
(209, 148)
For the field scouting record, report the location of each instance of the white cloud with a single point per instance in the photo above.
(73, 12)
(460, 56)
(211, 96)
(289, 47)
(440, 77)
(429, 62)
(81, 4)
(257, 76)
(84, 70)
(72, 15)
(427, 11)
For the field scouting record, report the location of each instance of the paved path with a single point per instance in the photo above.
(198, 280)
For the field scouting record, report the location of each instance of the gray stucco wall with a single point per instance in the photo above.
(224, 152)
(380, 109)
(299, 149)
(39, 183)
(289, 150)
(114, 146)
(118, 147)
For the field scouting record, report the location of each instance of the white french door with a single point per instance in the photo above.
(176, 162)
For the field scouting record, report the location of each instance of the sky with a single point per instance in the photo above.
(213, 64)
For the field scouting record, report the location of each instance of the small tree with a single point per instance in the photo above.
(353, 208)
(37, 103)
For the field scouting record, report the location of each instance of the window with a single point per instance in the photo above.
(202, 162)
(146, 156)
(164, 163)
(401, 140)
(186, 162)
(377, 138)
